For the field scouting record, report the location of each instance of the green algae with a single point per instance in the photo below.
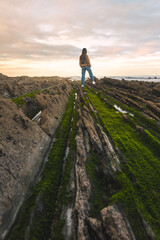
(20, 101)
(140, 175)
(65, 197)
(139, 118)
(97, 199)
(37, 214)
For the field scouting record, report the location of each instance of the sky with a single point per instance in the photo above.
(46, 37)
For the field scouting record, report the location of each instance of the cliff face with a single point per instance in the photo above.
(101, 176)
(23, 142)
(22, 145)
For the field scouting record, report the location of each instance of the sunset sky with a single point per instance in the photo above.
(45, 37)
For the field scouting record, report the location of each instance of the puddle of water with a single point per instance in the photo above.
(121, 110)
(68, 223)
(36, 116)
(66, 153)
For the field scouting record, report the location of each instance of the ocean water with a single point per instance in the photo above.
(146, 78)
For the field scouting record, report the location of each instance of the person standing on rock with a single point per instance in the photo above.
(85, 64)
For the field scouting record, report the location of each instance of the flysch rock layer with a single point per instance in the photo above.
(22, 147)
(23, 143)
(53, 106)
(17, 86)
(116, 224)
(142, 95)
(83, 184)
(89, 136)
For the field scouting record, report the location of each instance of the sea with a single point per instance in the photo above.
(146, 78)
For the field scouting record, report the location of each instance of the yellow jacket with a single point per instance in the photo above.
(86, 63)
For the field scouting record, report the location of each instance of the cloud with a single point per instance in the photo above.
(59, 29)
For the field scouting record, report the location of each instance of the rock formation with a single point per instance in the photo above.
(23, 143)
(108, 175)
